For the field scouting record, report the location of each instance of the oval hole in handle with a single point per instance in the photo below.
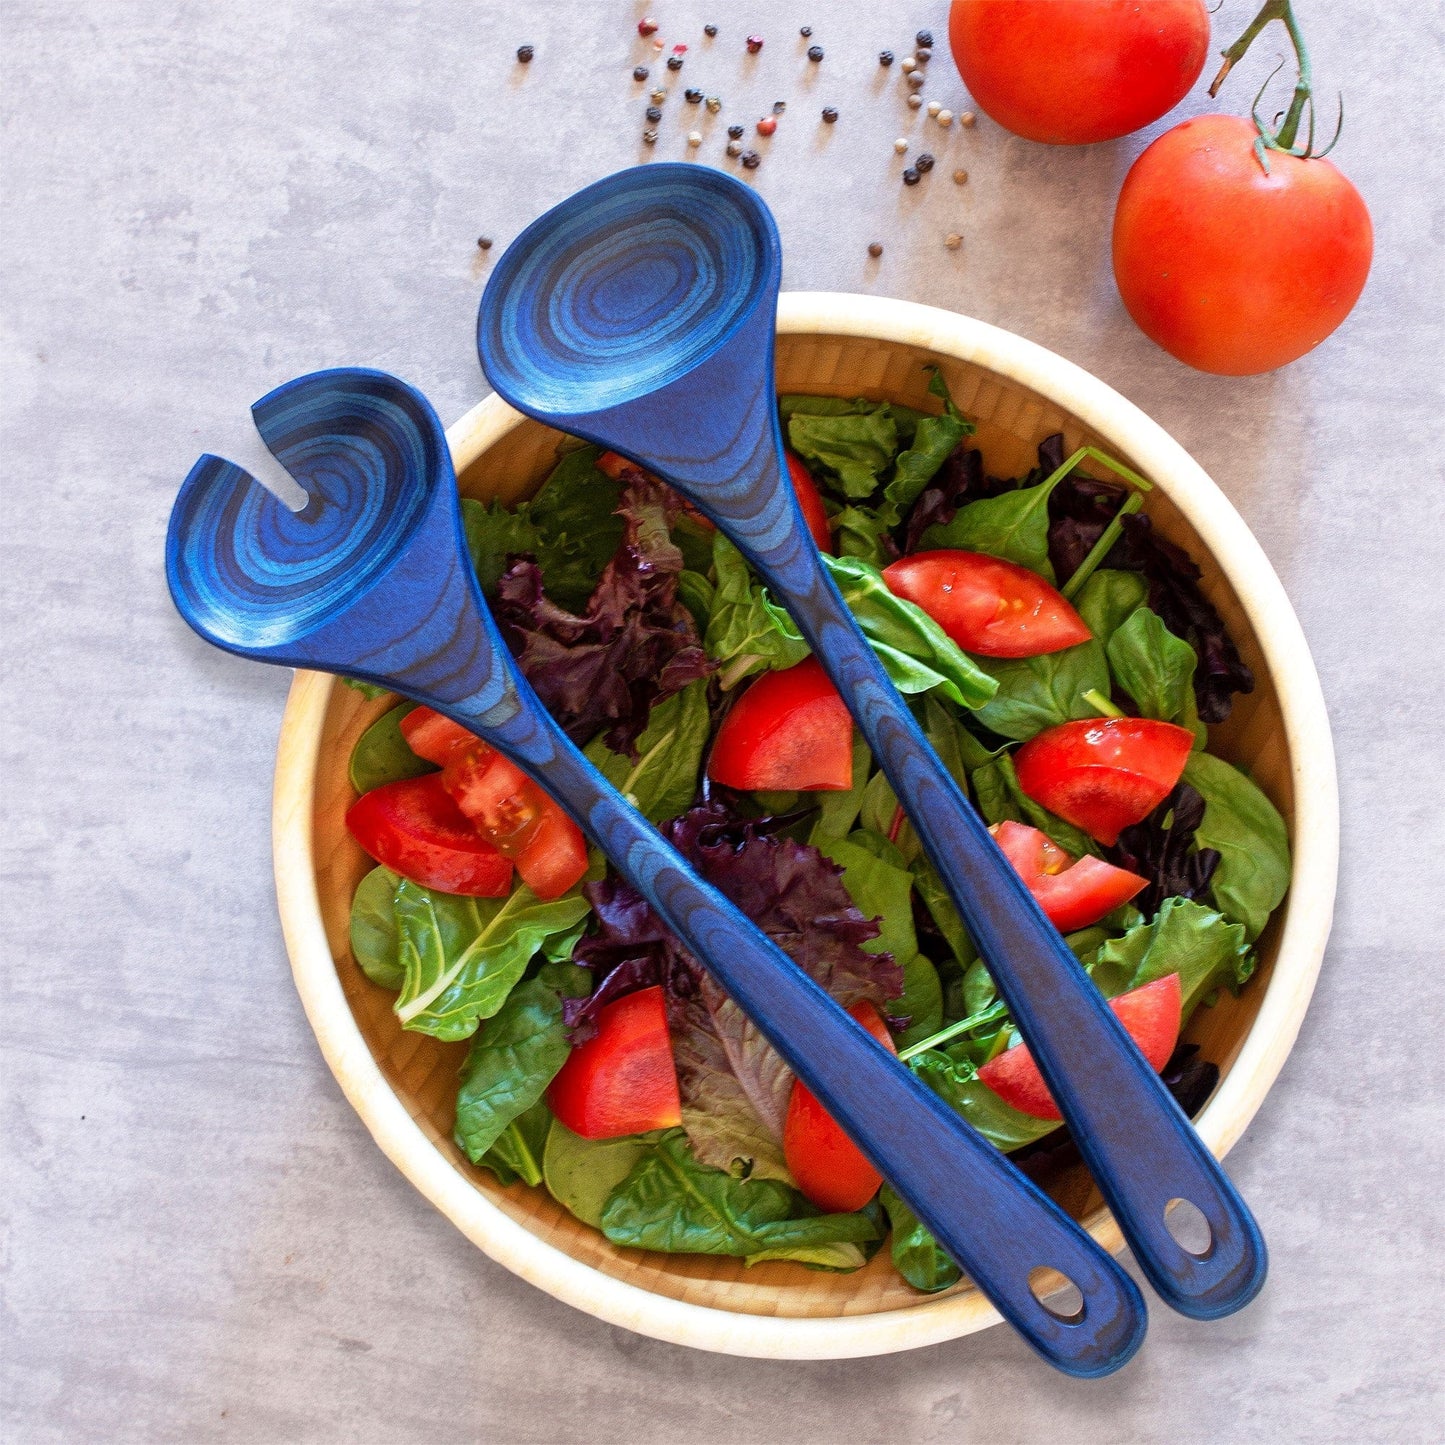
(1189, 1228)
(1057, 1293)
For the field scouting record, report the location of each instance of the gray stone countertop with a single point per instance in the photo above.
(202, 200)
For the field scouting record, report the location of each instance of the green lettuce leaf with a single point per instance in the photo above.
(663, 780)
(856, 446)
(741, 632)
(1250, 836)
(511, 1062)
(460, 957)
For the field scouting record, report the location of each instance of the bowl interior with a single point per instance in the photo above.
(1012, 419)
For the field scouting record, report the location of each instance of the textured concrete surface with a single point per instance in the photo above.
(202, 200)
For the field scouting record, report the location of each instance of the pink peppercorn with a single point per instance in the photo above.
(755, 44)
(646, 26)
(767, 125)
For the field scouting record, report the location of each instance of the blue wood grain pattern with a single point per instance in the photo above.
(382, 512)
(695, 403)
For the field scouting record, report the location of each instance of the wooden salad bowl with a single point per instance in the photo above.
(404, 1084)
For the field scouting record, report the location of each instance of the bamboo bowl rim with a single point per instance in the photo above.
(1315, 839)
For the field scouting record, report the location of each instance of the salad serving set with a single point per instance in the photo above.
(639, 315)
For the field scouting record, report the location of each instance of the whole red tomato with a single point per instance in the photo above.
(1229, 268)
(1069, 72)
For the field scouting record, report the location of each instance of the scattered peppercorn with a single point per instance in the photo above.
(659, 95)
(694, 138)
(916, 79)
(875, 248)
(934, 107)
(923, 55)
(924, 163)
(754, 44)
(674, 62)
(779, 106)
(967, 118)
(767, 125)
(646, 25)
(815, 53)
(484, 243)
(960, 177)
(953, 240)
(650, 136)
(900, 145)
(909, 65)
(640, 73)
(709, 31)
(713, 104)
(751, 160)
(911, 176)
(885, 58)
(679, 50)
(692, 97)
(654, 113)
(735, 147)
(806, 31)
(945, 118)
(924, 38)
(735, 131)
(830, 114)
(915, 101)
(525, 53)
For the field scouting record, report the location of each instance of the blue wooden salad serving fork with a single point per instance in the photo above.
(371, 578)
(639, 314)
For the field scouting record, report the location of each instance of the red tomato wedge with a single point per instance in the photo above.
(622, 1080)
(814, 513)
(1149, 1013)
(828, 1166)
(1073, 893)
(517, 817)
(431, 736)
(788, 731)
(414, 828)
(986, 605)
(1102, 774)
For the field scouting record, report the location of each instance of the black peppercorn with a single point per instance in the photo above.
(525, 53)
(815, 53)
(779, 106)
(484, 243)
(885, 57)
(911, 177)
(751, 160)
(692, 97)
(925, 39)
(830, 114)
(674, 62)
(875, 248)
(924, 163)
(709, 31)
(640, 73)
(735, 131)
(654, 113)
(806, 31)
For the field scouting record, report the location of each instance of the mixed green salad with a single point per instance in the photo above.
(1059, 655)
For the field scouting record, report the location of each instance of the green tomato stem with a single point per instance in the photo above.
(1286, 137)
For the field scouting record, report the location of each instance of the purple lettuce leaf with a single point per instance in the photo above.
(734, 1086)
(1166, 856)
(635, 644)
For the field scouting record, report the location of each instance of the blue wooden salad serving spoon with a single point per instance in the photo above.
(639, 314)
(372, 578)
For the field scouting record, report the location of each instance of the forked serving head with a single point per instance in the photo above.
(371, 576)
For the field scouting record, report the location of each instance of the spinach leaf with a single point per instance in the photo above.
(1153, 666)
(1013, 525)
(1000, 798)
(517, 1154)
(856, 447)
(741, 631)
(368, 690)
(1184, 937)
(934, 441)
(957, 1084)
(1246, 830)
(940, 907)
(1107, 599)
(461, 956)
(381, 754)
(1035, 693)
(693, 538)
(374, 941)
(582, 1173)
(671, 1202)
(837, 812)
(917, 1255)
(513, 1059)
(663, 780)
